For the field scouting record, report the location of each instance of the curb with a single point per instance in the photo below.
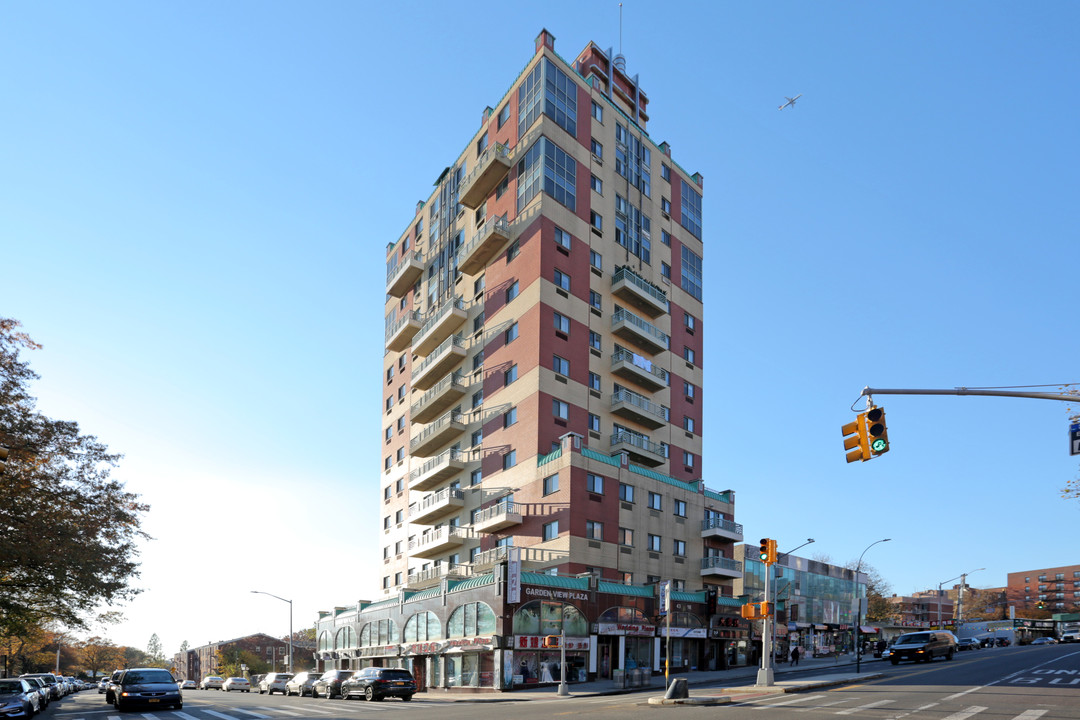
(698, 701)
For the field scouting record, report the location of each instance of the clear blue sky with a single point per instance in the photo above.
(195, 199)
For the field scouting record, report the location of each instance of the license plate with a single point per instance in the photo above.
(153, 700)
(400, 682)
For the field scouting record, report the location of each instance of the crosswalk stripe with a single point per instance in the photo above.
(1030, 715)
(822, 705)
(965, 713)
(321, 712)
(223, 716)
(788, 702)
(279, 710)
(184, 715)
(248, 712)
(867, 706)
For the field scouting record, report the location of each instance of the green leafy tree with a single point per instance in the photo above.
(878, 607)
(230, 662)
(155, 652)
(60, 512)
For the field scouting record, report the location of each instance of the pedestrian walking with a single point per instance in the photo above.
(795, 655)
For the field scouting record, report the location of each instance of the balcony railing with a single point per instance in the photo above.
(638, 368)
(435, 541)
(436, 505)
(497, 517)
(633, 288)
(640, 447)
(642, 332)
(721, 527)
(489, 558)
(433, 575)
(721, 566)
(449, 352)
(400, 334)
(444, 392)
(437, 432)
(491, 166)
(637, 407)
(437, 469)
(438, 325)
(401, 275)
(489, 239)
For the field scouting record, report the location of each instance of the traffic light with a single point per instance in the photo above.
(551, 641)
(878, 434)
(855, 440)
(767, 551)
(767, 609)
(1040, 605)
(748, 611)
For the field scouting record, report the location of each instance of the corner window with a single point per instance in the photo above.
(509, 460)
(551, 484)
(551, 530)
(594, 530)
(655, 501)
(560, 365)
(562, 323)
(560, 409)
(594, 483)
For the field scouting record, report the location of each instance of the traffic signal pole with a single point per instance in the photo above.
(1065, 397)
(765, 672)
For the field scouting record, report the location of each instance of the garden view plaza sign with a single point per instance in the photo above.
(554, 593)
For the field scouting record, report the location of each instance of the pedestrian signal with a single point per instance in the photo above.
(551, 641)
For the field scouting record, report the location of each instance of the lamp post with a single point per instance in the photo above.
(858, 613)
(962, 577)
(260, 592)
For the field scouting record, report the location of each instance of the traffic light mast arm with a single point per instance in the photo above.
(1064, 397)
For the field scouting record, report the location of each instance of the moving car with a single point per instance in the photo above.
(18, 699)
(923, 647)
(329, 684)
(110, 686)
(188, 685)
(968, 644)
(147, 686)
(376, 683)
(1044, 641)
(1070, 637)
(300, 683)
(274, 682)
(236, 683)
(211, 682)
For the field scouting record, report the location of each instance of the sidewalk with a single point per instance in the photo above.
(810, 672)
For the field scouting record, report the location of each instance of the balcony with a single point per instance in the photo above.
(438, 326)
(639, 447)
(720, 528)
(491, 168)
(489, 239)
(403, 275)
(488, 558)
(442, 359)
(641, 332)
(638, 369)
(439, 540)
(434, 575)
(640, 409)
(435, 506)
(400, 334)
(437, 434)
(497, 517)
(444, 394)
(434, 471)
(721, 567)
(640, 293)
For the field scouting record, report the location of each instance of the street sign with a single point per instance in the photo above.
(1074, 439)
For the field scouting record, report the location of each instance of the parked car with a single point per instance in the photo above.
(18, 699)
(103, 685)
(147, 686)
(376, 683)
(211, 682)
(329, 683)
(238, 684)
(1070, 637)
(1044, 641)
(923, 647)
(274, 682)
(968, 644)
(300, 683)
(188, 685)
(55, 691)
(38, 685)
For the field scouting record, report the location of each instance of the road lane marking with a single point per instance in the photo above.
(223, 716)
(789, 702)
(1030, 715)
(867, 706)
(824, 705)
(248, 712)
(279, 710)
(962, 694)
(965, 713)
(184, 715)
(321, 712)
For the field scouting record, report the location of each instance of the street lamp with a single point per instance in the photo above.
(962, 577)
(855, 593)
(260, 592)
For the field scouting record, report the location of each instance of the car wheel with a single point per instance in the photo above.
(261, 691)
(949, 655)
(180, 706)
(894, 661)
(406, 698)
(314, 692)
(369, 693)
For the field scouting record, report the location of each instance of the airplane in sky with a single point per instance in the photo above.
(790, 101)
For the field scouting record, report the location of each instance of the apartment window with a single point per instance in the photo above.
(389, 403)
(655, 502)
(561, 279)
(401, 362)
(478, 360)
(476, 476)
(400, 454)
(401, 393)
(594, 381)
(688, 423)
(688, 353)
(512, 250)
(512, 291)
(691, 210)
(688, 459)
(386, 581)
(386, 523)
(560, 365)
(626, 537)
(477, 399)
(560, 409)
(594, 483)
(597, 149)
(678, 547)
(665, 206)
(597, 112)
(654, 543)
(665, 172)
(594, 340)
(399, 485)
(596, 220)
(389, 373)
(510, 375)
(680, 508)
(595, 299)
(551, 530)
(665, 237)
(399, 516)
(389, 432)
(551, 484)
(594, 530)
(547, 167)
(386, 492)
(385, 554)
(509, 460)
(387, 462)
(504, 115)
(691, 272)
(688, 389)
(597, 184)
(562, 238)
(477, 438)
(594, 422)
(511, 334)
(510, 417)
(626, 492)
(562, 323)
(481, 144)
(596, 260)
(665, 270)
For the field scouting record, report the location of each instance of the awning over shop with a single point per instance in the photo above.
(869, 630)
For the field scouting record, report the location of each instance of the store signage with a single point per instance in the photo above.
(678, 632)
(513, 575)
(555, 594)
(379, 651)
(441, 646)
(535, 642)
(610, 628)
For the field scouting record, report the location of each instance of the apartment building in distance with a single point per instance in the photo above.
(542, 431)
(1055, 589)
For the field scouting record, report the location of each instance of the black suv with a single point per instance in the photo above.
(376, 683)
(923, 647)
(147, 686)
(329, 684)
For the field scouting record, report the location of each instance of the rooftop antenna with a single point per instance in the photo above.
(619, 61)
(620, 28)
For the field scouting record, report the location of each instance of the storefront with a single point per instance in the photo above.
(685, 638)
(625, 641)
(538, 619)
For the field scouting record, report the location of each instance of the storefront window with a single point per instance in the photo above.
(346, 638)
(469, 670)
(471, 620)
(624, 616)
(380, 632)
(547, 617)
(423, 626)
(324, 641)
